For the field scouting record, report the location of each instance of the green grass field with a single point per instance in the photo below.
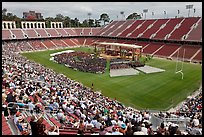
(158, 91)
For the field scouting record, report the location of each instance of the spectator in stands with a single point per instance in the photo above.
(5, 110)
(11, 97)
(93, 132)
(88, 124)
(149, 129)
(81, 125)
(61, 116)
(138, 131)
(53, 131)
(33, 126)
(161, 130)
(17, 115)
(23, 126)
(102, 131)
(41, 129)
(116, 132)
(129, 130)
(31, 106)
(80, 131)
(123, 129)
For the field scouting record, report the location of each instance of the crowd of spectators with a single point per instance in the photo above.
(191, 110)
(136, 64)
(82, 61)
(118, 60)
(32, 86)
(24, 79)
(119, 63)
(18, 46)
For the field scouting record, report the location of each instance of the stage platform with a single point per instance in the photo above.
(123, 72)
(148, 69)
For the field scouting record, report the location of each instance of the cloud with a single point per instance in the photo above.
(81, 9)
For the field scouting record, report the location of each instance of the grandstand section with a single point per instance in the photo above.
(49, 44)
(52, 32)
(141, 28)
(6, 34)
(180, 31)
(154, 28)
(70, 32)
(18, 34)
(167, 50)
(167, 28)
(59, 43)
(31, 33)
(42, 33)
(189, 52)
(37, 45)
(131, 29)
(61, 32)
(196, 32)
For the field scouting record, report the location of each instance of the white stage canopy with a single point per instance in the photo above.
(120, 44)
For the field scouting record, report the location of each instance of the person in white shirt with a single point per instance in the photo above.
(61, 116)
(88, 124)
(98, 124)
(144, 129)
(16, 116)
(31, 106)
(195, 121)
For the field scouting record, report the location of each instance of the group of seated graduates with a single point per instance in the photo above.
(82, 61)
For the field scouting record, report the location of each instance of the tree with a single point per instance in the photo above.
(67, 22)
(105, 18)
(59, 17)
(97, 23)
(4, 10)
(134, 16)
(91, 22)
(4, 14)
(75, 22)
(48, 20)
(18, 21)
(85, 23)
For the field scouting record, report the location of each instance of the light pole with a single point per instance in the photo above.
(89, 14)
(189, 7)
(164, 14)
(152, 14)
(122, 14)
(178, 12)
(194, 10)
(145, 11)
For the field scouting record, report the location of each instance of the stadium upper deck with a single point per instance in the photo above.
(176, 29)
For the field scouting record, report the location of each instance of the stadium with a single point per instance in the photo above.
(138, 76)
